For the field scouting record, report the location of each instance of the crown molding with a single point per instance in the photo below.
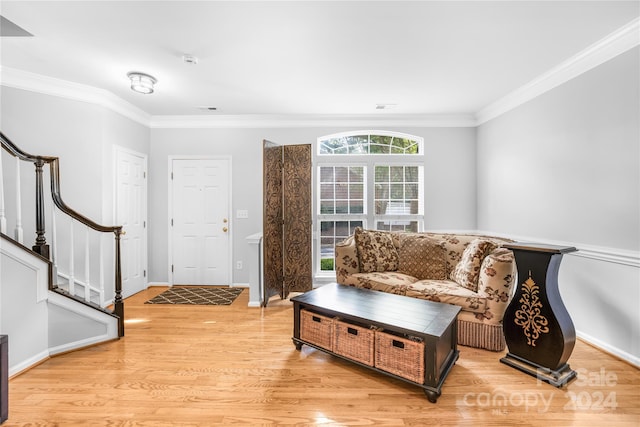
(19, 79)
(311, 120)
(620, 41)
(616, 43)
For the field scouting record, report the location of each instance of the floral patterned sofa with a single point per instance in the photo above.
(471, 271)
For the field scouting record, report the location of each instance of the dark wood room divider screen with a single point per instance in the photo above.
(287, 219)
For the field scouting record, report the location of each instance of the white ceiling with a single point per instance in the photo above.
(307, 57)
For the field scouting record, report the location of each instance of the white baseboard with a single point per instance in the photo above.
(630, 358)
(158, 284)
(239, 285)
(28, 363)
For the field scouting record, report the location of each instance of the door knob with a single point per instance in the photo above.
(225, 229)
(225, 220)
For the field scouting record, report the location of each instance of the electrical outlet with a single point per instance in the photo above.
(238, 265)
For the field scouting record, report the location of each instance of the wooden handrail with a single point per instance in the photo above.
(15, 151)
(54, 165)
(41, 247)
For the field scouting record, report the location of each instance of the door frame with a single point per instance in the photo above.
(171, 158)
(145, 202)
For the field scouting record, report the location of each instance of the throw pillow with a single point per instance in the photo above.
(467, 270)
(422, 257)
(376, 251)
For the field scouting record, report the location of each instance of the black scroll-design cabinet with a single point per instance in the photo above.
(539, 333)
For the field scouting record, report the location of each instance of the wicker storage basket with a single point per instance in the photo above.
(400, 356)
(353, 341)
(316, 329)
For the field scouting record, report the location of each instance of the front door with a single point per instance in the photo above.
(131, 213)
(200, 230)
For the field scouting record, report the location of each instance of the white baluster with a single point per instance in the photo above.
(18, 232)
(54, 245)
(3, 218)
(87, 270)
(72, 279)
(101, 272)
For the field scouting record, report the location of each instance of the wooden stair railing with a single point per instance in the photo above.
(41, 246)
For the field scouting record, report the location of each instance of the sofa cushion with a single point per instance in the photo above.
(467, 270)
(448, 292)
(376, 251)
(422, 257)
(391, 282)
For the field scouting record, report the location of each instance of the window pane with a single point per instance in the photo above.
(342, 229)
(342, 174)
(411, 174)
(356, 207)
(369, 144)
(414, 207)
(382, 191)
(411, 226)
(397, 174)
(401, 196)
(326, 207)
(356, 174)
(342, 207)
(342, 191)
(353, 225)
(396, 150)
(326, 192)
(382, 174)
(397, 191)
(411, 191)
(356, 191)
(378, 149)
(358, 144)
(331, 233)
(326, 174)
(381, 207)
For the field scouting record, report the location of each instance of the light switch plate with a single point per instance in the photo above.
(242, 213)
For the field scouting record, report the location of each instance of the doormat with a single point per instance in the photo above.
(197, 296)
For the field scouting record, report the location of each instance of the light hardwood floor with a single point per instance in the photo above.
(234, 365)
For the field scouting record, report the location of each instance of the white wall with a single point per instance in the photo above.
(82, 135)
(449, 187)
(23, 290)
(40, 323)
(565, 168)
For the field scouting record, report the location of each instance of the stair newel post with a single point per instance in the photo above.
(41, 246)
(118, 304)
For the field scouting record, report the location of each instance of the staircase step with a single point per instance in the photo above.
(91, 304)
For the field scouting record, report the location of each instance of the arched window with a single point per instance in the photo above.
(371, 179)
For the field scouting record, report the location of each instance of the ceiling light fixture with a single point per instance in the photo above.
(141, 82)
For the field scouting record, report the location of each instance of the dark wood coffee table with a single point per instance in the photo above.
(434, 323)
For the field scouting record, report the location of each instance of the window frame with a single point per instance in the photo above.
(369, 161)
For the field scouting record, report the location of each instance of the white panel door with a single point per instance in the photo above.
(131, 213)
(200, 217)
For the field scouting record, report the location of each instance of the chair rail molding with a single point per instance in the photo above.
(599, 253)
